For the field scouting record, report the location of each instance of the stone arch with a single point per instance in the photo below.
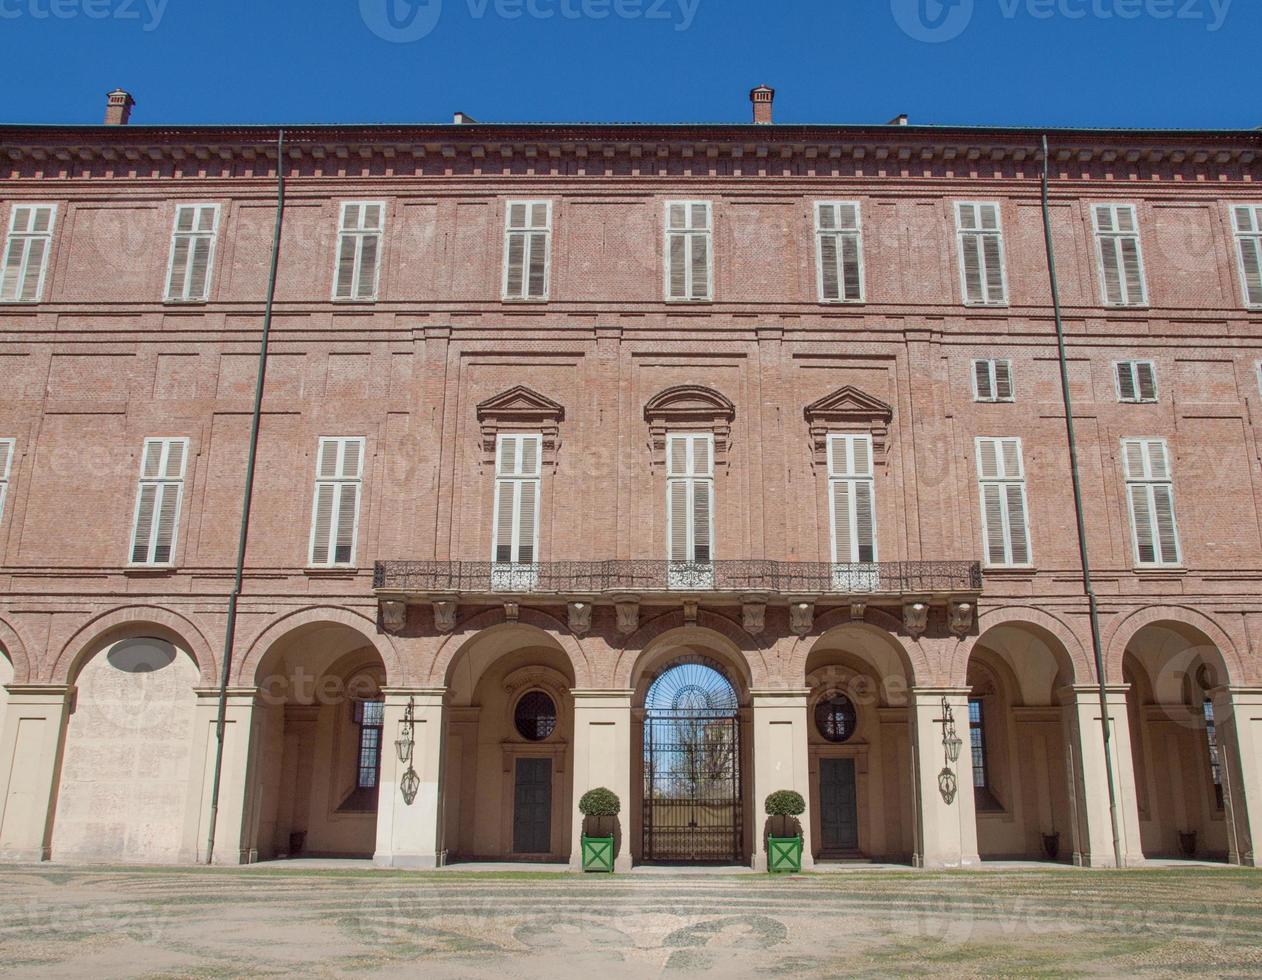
(14, 648)
(1044, 624)
(555, 632)
(261, 645)
(748, 653)
(875, 623)
(119, 623)
(1122, 630)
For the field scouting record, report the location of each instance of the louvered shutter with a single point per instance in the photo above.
(993, 508)
(160, 491)
(852, 500)
(1248, 225)
(6, 467)
(322, 521)
(1003, 380)
(359, 241)
(1121, 264)
(838, 251)
(983, 380)
(192, 247)
(335, 503)
(688, 250)
(700, 258)
(1018, 532)
(981, 252)
(517, 496)
(1005, 520)
(345, 267)
(1126, 381)
(690, 498)
(1146, 381)
(677, 502)
(26, 252)
(1147, 469)
(971, 255)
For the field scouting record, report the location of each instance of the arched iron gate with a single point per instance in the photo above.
(692, 767)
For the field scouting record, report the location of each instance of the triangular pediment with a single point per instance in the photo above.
(520, 402)
(851, 403)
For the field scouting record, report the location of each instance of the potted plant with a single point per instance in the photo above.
(599, 808)
(784, 840)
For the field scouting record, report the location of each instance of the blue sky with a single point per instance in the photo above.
(1149, 63)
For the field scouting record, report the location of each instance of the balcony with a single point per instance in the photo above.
(472, 579)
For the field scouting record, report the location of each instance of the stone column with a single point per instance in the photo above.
(409, 835)
(946, 824)
(30, 766)
(602, 757)
(781, 761)
(236, 824)
(1093, 824)
(1238, 725)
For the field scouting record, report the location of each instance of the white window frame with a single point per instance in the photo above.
(1100, 237)
(1149, 481)
(992, 370)
(688, 234)
(340, 481)
(526, 232)
(514, 575)
(1131, 366)
(27, 236)
(7, 448)
(687, 573)
(1004, 480)
(359, 234)
(846, 576)
(164, 480)
(839, 233)
(1241, 235)
(212, 236)
(961, 233)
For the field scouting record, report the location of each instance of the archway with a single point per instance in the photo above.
(1021, 743)
(125, 789)
(318, 743)
(1171, 669)
(508, 755)
(6, 678)
(859, 746)
(691, 750)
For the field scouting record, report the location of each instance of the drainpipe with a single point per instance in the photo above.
(1096, 646)
(230, 627)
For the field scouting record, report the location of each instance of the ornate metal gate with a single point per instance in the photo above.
(692, 766)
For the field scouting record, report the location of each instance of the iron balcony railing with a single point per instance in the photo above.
(637, 577)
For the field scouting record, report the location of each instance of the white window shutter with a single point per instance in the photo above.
(1003, 381)
(690, 497)
(1146, 466)
(701, 544)
(677, 505)
(1146, 378)
(1005, 516)
(517, 499)
(1121, 261)
(505, 510)
(843, 543)
(1018, 531)
(26, 253)
(6, 468)
(1126, 381)
(336, 500)
(983, 380)
(1247, 221)
(839, 251)
(526, 250)
(992, 519)
(852, 501)
(980, 238)
(356, 267)
(192, 251)
(688, 250)
(155, 526)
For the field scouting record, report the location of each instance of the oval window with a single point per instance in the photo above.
(835, 718)
(536, 716)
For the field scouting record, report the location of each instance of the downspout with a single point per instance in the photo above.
(230, 627)
(1096, 645)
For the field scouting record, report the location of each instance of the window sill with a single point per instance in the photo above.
(148, 571)
(353, 301)
(690, 302)
(994, 401)
(1014, 571)
(1137, 401)
(1177, 570)
(986, 306)
(524, 300)
(843, 302)
(331, 571)
(185, 302)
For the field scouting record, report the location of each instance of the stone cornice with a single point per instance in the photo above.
(347, 152)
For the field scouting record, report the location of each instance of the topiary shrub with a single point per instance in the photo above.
(785, 803)
(601, 802)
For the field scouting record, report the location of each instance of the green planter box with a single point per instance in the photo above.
(784, 854)
(598, 854)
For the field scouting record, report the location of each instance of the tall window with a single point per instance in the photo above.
(192, 252)
(977, 743)
(992, 381)
(1001, 479)
(1136, 381)
(1215, 765)
(1247, 221)
(527, 245)
(852, 511)
(1150, 490)
(6, 466)
(690, 508)
(26, 252)
(980, 239)
(1121, 261)
(335, 504)
(515, 544)
(358, 250)
(157, 518)
(839, 251)
(369, 716)
(689, 271)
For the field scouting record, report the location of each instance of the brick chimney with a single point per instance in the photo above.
(762, 97)
(118, 107)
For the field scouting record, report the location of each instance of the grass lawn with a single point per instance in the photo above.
(279, 922)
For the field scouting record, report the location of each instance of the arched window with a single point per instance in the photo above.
(535, 716)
